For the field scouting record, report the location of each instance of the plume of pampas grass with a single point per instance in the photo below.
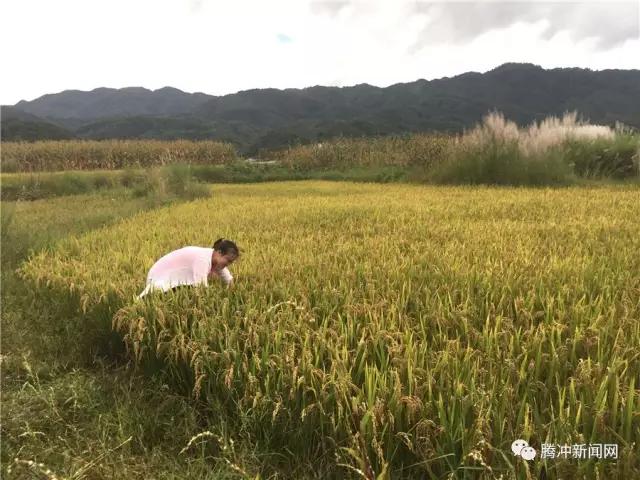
(538, 137)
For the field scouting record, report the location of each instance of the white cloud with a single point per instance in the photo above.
(221, 47)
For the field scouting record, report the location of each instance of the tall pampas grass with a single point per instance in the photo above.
(539, 137)
(553, 151)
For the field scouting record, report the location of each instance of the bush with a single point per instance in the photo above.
(552, 152)
(500, 162)
(73, 184)
(151, 184)
(171, 181)
(181, 182)
(613, 158)
(131, 177)
(104, 181)
(178, 178)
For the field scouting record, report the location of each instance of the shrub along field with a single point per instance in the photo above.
(555, 151)
(39, 185)
(416, 150)
(379, 331)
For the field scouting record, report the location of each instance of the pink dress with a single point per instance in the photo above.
(185, 266)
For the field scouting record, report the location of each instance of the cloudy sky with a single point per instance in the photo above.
(221, 47)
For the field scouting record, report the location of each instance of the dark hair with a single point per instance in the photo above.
(226, 246)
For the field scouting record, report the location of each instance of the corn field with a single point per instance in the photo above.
(110, 154)
(496, 151)
(420, 150)
(404, 331)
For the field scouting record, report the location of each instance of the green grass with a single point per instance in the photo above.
(388, 328)
(172, 181)
(499, 162)
(34, 186)
(181, 180)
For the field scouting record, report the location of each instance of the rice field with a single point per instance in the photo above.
(389, 331)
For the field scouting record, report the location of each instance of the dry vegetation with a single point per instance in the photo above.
(110, 154)
(539, 137)
(418, 150)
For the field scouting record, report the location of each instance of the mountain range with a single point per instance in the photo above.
(271, 118)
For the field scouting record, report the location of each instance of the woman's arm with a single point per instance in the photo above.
(224, 275)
